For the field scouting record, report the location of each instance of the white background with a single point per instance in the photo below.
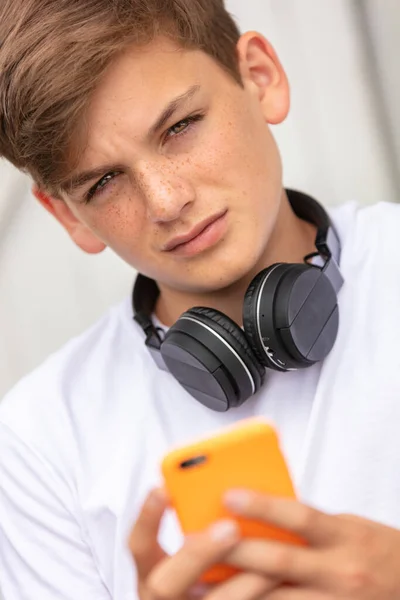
(339, 143)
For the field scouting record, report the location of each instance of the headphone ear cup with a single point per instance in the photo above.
(307, 314)
(210, 356)
(290, 316)
(234, 336)
(252, 308)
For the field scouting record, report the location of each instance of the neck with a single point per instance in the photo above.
(291, 241)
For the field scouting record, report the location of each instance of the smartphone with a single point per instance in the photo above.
(196, 477)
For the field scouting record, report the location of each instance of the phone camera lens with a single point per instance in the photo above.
(193, 462)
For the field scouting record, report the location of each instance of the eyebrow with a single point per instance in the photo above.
(77, 181)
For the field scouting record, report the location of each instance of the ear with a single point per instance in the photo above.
(78, 231)
(264, 75)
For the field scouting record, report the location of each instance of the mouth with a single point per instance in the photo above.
(205, 235)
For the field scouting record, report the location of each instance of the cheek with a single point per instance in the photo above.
(118, 223)
(239, 152)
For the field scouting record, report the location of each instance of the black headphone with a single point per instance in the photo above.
(290, 321)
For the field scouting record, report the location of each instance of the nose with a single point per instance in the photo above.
(166, 192)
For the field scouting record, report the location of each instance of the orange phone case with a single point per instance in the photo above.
(244, 456)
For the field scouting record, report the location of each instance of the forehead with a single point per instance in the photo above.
(140, 81)
(134, 91)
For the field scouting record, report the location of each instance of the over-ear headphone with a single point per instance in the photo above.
(290, 321)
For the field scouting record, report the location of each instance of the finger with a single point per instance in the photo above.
(247, 586)
(143, 540)
(174, 576)
(199, 591)
(313, 526)
(286, 592)
(282, 562)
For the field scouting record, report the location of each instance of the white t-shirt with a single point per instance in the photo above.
(81, 438)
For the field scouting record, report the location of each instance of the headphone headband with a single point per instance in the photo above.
(144, 298)
(290, 322)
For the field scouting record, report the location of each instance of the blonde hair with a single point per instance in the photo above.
(54, 52)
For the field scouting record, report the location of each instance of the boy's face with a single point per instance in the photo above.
(212, 163)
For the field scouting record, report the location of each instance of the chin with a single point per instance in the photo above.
(215, 277)
(239, 268)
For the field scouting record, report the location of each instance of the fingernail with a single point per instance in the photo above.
(237, 499)
(224, 531)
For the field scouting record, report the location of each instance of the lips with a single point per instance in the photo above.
(193, 233)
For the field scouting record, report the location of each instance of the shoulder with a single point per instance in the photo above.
(370, 298)
(368, 236)
(75, 435)
(75, 384)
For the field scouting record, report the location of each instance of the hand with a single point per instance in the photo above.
(161, 577)
(347, 558)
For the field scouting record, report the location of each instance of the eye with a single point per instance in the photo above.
(183, 126)
(179, 127)
(100, 186)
